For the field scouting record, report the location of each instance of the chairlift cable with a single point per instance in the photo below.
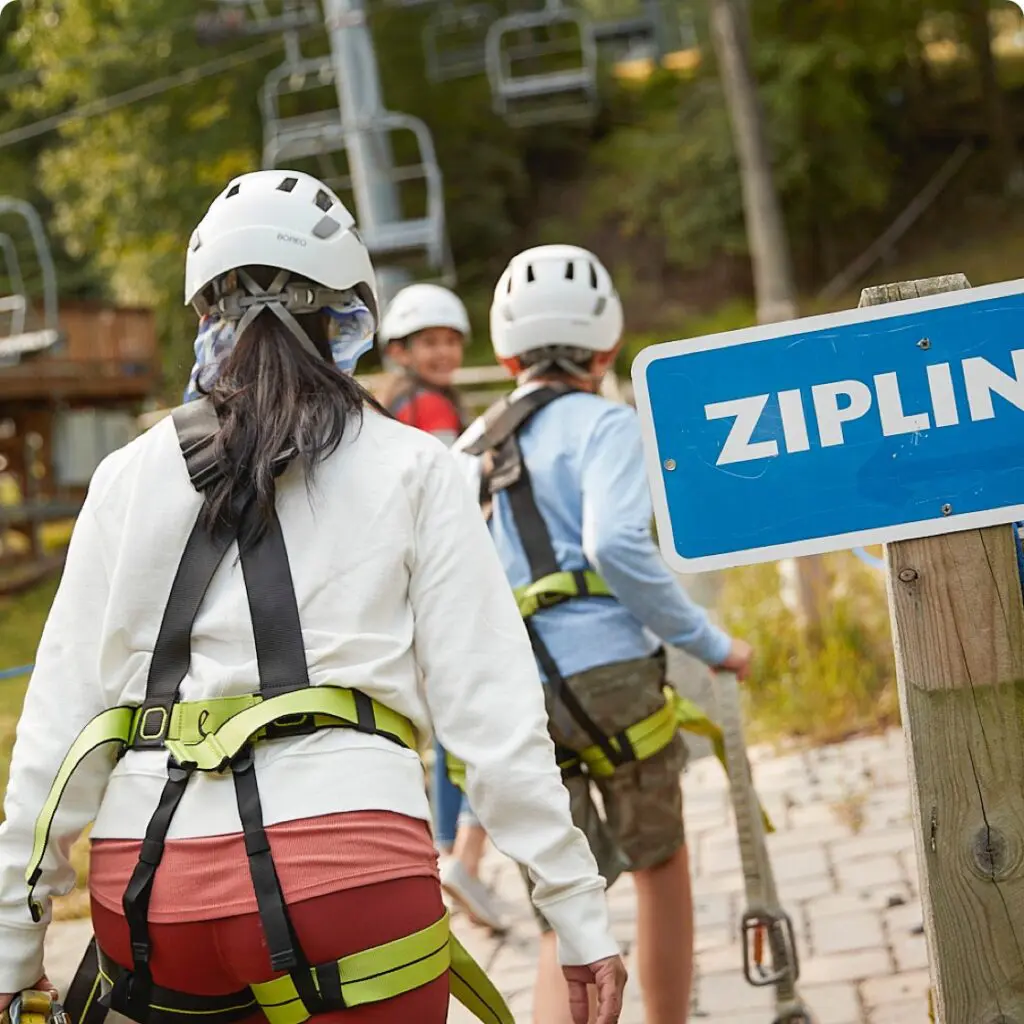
(148, 90)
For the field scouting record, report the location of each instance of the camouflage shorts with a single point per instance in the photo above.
(642, 800)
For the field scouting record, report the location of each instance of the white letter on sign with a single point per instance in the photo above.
(737, 447)
(890, 408)
(982, 378)
(794, 424)
(940, 384)
(826, 407)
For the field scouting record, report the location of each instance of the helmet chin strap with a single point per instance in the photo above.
(245, 308)
(555, 365)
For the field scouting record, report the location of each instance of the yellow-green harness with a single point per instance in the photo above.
(503, 470)
(218, 735)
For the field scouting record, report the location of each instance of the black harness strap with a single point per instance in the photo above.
(282, 667)
(274, 611)
(533, 532)
(82, 1002)
(132, 993)
(168, 1006)
(561, 691)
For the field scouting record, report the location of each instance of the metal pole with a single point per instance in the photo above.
(357, 80)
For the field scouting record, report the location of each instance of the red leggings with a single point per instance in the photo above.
(225, 955)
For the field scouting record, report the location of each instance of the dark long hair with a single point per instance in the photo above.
(272, 394)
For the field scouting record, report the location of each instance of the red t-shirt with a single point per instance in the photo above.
(429, 411)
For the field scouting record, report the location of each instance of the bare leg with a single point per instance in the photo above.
(470, 842)
(664, 944)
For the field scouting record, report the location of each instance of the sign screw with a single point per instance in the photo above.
(947, 510)
(924, 343)
(908, 575)
(670, 464)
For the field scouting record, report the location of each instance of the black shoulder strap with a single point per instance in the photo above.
(508, 416)
(271, 594)
(503, 469)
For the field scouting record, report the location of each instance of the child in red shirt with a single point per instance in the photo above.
(423, 333)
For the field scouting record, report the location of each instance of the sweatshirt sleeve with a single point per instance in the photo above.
(617, 540)
(487, 705)
(63, 694)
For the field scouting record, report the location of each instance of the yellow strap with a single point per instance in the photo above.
(555, 588)
(392, 969)
(192, 719)
(111, 726)
(328, 705)
(471, 986)
(647, 737)
(208, 733)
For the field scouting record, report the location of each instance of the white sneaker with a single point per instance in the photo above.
(472, 894)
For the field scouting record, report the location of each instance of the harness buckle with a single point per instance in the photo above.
(548, 599)
(179, 771)
(154, 721)
(777, 928)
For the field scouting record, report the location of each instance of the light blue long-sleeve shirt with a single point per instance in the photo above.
(585, 459)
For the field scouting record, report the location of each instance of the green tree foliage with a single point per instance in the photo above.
(843, 82)
(837, 80)
(127, 186)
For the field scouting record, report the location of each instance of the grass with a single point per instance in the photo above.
(815, 692)
(21, 624)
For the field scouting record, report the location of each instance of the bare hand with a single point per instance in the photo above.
(42, 985)
(738, 659)
(609, 976)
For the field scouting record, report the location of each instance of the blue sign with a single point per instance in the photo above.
(855, 428)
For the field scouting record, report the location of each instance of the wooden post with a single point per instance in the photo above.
(958, 631)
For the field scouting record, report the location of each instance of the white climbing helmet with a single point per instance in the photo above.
(283, 219)
(419, 306)
(555, 295)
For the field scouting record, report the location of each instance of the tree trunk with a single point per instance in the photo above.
(804, 582)
(769, 245)
(1000, 132)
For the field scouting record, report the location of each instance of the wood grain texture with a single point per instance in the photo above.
(958, 632)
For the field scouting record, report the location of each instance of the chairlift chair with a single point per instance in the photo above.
(14, 303)
(232, 18)
(319, 135)
(16, 344)
(454, 41)
(542, 66)
(628, 38)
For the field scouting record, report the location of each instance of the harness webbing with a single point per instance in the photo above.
(218, 734)
(505, 470)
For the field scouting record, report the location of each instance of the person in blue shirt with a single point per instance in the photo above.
(560, 474)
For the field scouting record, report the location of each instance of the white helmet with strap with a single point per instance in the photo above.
(281, 219)
(555, 296)
(420, 306)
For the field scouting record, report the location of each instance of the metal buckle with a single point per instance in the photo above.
(758, 926)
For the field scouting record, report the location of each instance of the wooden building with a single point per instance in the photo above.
(65, 406)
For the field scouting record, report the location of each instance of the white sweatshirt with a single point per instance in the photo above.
(400, 594)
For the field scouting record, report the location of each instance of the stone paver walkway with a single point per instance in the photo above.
(844, 859)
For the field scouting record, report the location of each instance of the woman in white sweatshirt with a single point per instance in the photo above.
(280, 587)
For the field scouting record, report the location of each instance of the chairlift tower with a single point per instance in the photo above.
(355, 122)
